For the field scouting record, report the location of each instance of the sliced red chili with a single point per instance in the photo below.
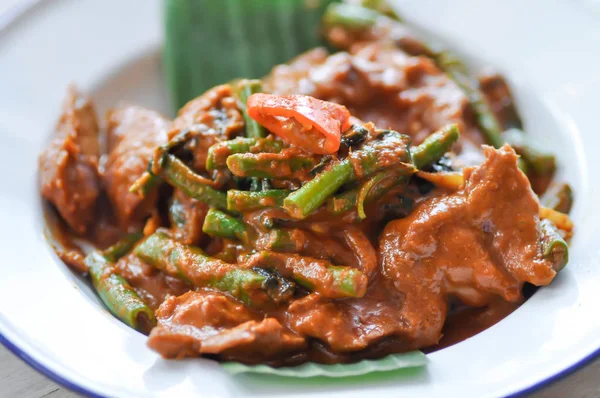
(306, 122)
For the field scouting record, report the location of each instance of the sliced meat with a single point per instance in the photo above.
(353, 324)
(69, 165)
(255, 342)
(133, 134)
(206, 322)
(381, 84)
(477, 244)
(294, 77)
(215, 115)
(152, 285)
(385, 30)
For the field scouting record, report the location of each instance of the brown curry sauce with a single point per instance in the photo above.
(448, 266)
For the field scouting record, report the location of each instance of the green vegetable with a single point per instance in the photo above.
(355, 135)
(381, 184)
(316, 275)
(350, 16)
(151, 178)
(244, 201)
(217, 223)
(190, 264)
(122, 247)
(284, 165)
(405, 361)
(116, 293)
(177, 174)
(256, 34)
(435, 146)
(243, 90)
(554, 247)
(559, 197)
(362, 163)
(382, 6)
(366, 189)
(313, 194)
(282, 240)
(542, 163)
(298, 241)
(486, 120)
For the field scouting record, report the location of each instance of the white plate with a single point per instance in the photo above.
(548, 48)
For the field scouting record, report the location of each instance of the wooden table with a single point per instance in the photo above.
(20, 381)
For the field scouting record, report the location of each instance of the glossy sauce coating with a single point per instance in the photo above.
(428, 266)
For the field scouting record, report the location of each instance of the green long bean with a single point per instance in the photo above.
(220, 224)
(316, 275)
(286, 165)
(435, 146)
(114, 291)
(244, 89)
(541, 162)
(244, 201)
(219, 152)
(190, 264)
(388, 151)
(554, 247)
(559, 197)
(177, 174)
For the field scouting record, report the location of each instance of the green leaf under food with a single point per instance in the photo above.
(411, 359)
(209, 42)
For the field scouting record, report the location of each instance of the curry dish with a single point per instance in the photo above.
(349, 205)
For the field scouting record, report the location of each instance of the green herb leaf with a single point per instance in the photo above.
(411, 359)
(210, 42)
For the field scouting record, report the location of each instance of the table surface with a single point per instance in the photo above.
(19, 380)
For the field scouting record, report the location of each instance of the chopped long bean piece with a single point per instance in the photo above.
(559, 197)
(192, 265)
(217, 223)
(390, 150)
(295, 240)
(219, 152)
(244, 89)
(486, 120)
(243, 201)
(114, 252)
(286, 165)
(314, 193)
(145, 184)
(554, 246)
(435, 146)
(385, 182)
(542, 163)
(114, 291)
(286, 240)
(316, 275)
(177, 174)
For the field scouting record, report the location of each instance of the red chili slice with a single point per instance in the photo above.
(307, 122)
